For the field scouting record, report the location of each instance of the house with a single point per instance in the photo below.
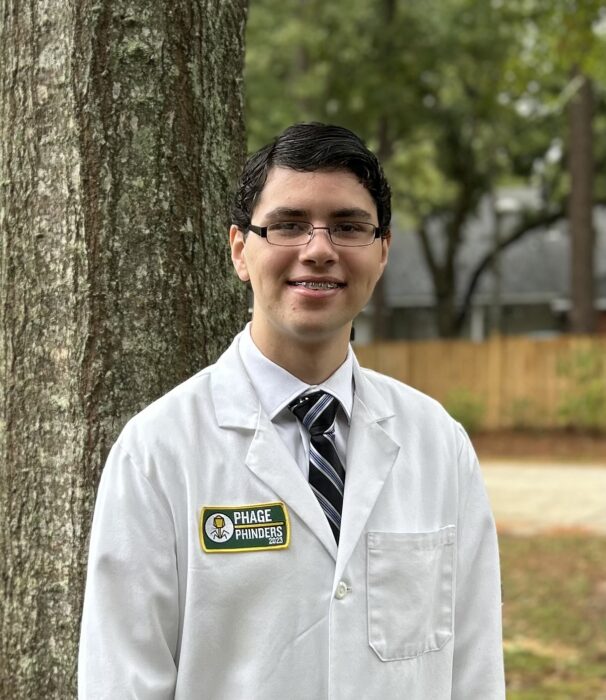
(526, 292)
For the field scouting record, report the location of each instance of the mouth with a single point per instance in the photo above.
(317, 284)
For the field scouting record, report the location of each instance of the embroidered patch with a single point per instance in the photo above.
(244, 528)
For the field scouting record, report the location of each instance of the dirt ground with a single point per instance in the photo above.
(548, 495)
(552, 498)
(556, 446)
(545, 482)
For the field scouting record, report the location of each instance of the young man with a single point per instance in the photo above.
(286, 524)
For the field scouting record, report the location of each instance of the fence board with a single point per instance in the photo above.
(520, 381)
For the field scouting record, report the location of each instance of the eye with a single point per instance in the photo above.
(289, 228)
(349, 228)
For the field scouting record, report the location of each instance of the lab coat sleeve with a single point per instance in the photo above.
(130, 617)
(478, 654)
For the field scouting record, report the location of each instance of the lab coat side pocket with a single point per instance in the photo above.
(410, 592)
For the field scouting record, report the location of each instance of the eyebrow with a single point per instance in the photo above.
(282, 213)
(352, 213)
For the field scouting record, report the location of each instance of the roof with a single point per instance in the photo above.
(535, 269)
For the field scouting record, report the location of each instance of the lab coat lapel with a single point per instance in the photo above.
(271, 462)
(371, 454)
(237, 406)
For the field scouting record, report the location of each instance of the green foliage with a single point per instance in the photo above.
(419, 81)
(522, 413)
(466, 407)
(584, 404)
(560, 40)
(563, 34)
(553, 626)
(457, 87)
(455, 96)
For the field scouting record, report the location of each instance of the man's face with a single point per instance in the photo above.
(285, 308)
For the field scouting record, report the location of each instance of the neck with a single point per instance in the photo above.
(311, 361)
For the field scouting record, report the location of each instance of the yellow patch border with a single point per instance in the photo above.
(239, 550)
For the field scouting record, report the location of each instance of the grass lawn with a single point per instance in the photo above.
(554, 616)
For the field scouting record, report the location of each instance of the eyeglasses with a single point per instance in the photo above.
(351, 234)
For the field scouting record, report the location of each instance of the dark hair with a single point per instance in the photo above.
(308, 147)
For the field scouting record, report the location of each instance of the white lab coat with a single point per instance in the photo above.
(408, 606)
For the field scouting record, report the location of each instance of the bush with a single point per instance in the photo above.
(522, 413)
(465, 407)
(584, 405)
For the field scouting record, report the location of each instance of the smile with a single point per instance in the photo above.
(317, 285)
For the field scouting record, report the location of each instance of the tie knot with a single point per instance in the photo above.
(316, 411)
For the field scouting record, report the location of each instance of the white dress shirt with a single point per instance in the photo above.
(276, 388)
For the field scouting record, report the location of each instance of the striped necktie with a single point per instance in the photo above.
(317, 412)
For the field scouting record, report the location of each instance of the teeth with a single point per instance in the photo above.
(317, 285)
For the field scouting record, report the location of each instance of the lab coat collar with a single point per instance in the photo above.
(235, 402)
(237, 406)
(277, 388)
(371, 452)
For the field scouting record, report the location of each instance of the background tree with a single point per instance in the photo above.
(580, 207)
(558, 85)
(458, 96)
(578, 40)
(120, 135)
(565, 62)
(420, 82)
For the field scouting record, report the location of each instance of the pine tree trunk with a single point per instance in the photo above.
(445, 310)
(580, 209)
(381, 313)
(120, 135)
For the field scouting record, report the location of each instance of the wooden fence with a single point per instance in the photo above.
(504, 382)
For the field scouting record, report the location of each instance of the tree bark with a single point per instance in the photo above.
(580, 208)
(381, 316)
(442, 267)
(120, 135)
(381, 313)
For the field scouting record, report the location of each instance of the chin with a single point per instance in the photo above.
(320, 333)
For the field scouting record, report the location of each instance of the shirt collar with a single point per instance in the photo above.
(276, 387)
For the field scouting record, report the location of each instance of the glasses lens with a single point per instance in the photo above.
(353, 233)
(289, 233)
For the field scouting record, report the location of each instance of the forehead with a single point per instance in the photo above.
(318, 193)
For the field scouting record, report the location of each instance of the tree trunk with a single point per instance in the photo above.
(381, 313)
(381, 316)
(580, 208)
(445, 309)
(120, 135)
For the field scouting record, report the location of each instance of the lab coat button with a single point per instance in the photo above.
(342, 590)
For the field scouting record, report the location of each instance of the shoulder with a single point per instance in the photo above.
(173, 415)
(396, 393)
(192, 401)
(410, 409)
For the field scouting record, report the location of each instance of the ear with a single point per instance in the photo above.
(237, 243)
(385, 243)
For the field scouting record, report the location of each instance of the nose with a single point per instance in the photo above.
(320, 249)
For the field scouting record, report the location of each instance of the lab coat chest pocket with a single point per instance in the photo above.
(410, 592)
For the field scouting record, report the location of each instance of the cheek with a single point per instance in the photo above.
(272, 269)
(264, 274)
(367, 275)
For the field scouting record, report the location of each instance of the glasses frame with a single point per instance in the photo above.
(379, 232)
